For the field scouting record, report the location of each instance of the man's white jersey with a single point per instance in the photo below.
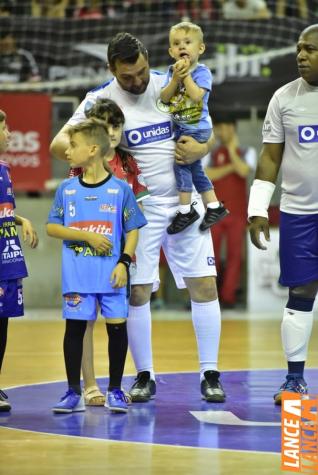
(147, 134)
(292, 119)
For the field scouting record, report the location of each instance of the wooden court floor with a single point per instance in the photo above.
(34, 355)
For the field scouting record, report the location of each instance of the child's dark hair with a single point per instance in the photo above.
(3, 115)
(108, 111)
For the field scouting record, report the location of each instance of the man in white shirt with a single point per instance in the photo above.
(290, 138)
(148, 136)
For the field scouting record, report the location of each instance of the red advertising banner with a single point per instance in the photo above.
(29, 121)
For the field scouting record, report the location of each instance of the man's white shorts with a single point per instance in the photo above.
(188, 253)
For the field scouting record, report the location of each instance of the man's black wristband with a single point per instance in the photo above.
(125, 259)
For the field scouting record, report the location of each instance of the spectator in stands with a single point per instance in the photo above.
(92, 10)
(230, 165)
(194, 10)
(246, 10)
(16, 64)
(49, 8)
(290, 7)
(6, 8)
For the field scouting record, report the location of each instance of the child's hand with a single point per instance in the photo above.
(99, 242)
(118, 277)
(181, 68)
(28, 233)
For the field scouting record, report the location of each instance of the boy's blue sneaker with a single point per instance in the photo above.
(294, 384)
(116, 401)
(70, 402)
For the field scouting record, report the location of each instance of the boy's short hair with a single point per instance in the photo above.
(106, 110)
(95, 130)
(187, 26)
(3, 115)
(125, 48)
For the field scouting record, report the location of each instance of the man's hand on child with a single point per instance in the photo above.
(188, 150)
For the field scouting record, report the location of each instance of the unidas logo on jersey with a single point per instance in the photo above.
(308, 133)
(148, 134)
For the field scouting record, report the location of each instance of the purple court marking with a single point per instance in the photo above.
(168, 419)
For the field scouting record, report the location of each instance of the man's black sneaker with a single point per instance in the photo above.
(182, 221)
(211, 388)
(4, 403)
(212, 216)
(143, 389)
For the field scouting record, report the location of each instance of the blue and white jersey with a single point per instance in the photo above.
(292, 119)
(147, 135)
(107, 208)
(12, 264)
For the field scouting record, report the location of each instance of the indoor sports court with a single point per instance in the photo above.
(51, 55)
(176, 433)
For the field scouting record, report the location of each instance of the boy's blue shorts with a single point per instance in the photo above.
(11, 298)
(77, 306)
(298, 249)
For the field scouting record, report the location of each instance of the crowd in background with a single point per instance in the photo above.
(184, 9)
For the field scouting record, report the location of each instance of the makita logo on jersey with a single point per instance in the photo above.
(308, 133)
(99, 227)
(6, 210)
(149, 134)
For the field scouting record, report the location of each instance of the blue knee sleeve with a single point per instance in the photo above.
(300, 303)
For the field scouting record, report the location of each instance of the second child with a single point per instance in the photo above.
(97, 217)
(123, 166)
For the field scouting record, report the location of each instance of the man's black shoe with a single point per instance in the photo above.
(143, 389)
(211, 388)
(212, 216)
(182, 221)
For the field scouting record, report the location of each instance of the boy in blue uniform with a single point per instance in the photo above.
(12, 265)
(97, 217)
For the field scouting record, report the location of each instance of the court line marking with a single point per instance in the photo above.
(142, 443)
(228, 418)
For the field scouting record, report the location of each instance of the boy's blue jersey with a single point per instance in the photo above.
(12, 264)
(108, 208)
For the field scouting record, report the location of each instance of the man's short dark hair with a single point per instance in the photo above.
(125, 48)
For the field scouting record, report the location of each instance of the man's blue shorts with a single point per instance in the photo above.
(298, 249)
(77, 306)
(11, 298)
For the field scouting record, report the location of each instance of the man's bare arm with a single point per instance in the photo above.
(60, 143)
(269, 162)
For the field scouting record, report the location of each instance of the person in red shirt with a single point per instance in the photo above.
(229, 168)
(123, 166)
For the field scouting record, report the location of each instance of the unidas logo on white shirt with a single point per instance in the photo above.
(148, 134)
